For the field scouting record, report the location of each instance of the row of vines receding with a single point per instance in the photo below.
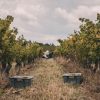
(84, 45)
(14, 48)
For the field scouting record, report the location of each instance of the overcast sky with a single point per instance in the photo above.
(48, 20)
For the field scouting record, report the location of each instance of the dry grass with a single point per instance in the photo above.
(91, 84)
(47, 84)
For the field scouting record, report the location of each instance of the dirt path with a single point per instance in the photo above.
(47, 84)
(47, 80)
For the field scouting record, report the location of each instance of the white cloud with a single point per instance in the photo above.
(71, 17)
(85, 11)
(80, 11)
(67, 16)
(48, 20)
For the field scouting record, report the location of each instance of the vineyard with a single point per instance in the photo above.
(80, 52)
(83, 46)
(13, 49)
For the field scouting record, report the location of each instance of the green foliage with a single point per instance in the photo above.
(50, 47)
(83, 44)
(13, 48)
(7, 39)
